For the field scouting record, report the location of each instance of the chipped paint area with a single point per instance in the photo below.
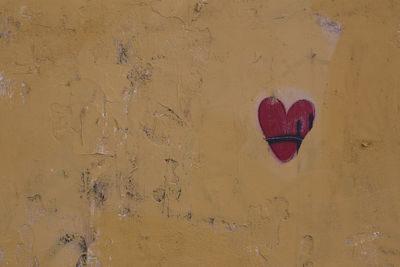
(10, 89)
(6, 86)
(364, 247)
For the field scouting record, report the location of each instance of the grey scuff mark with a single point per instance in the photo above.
(172, 114)
(93, 189)
(224, 224)
(159, 194)
(124, 211)
(158, 139)
(122, 53)
(83, 241)
(83, 258)
(139, 74)
(134, 167)
(130, 187)
(147, 132)
(88, 260)
(230, 226)
(98, 191)
(331, 30)
(330, 26)
(169, 192)
(85, 180)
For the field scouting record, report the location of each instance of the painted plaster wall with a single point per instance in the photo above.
(129, 133)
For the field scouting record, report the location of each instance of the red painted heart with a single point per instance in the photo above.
(283, 131)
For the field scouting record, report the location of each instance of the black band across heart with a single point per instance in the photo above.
(284, 138)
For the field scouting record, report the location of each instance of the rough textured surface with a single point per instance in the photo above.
(129, 133)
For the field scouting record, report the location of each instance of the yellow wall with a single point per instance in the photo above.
(129, 133)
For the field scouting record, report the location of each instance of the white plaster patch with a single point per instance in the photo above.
(9, 89)
(364, 246)
(331, 30)
(6, 86)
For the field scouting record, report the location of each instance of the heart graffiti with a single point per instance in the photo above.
(283, 131)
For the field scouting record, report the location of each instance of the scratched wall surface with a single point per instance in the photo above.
(129, 133)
